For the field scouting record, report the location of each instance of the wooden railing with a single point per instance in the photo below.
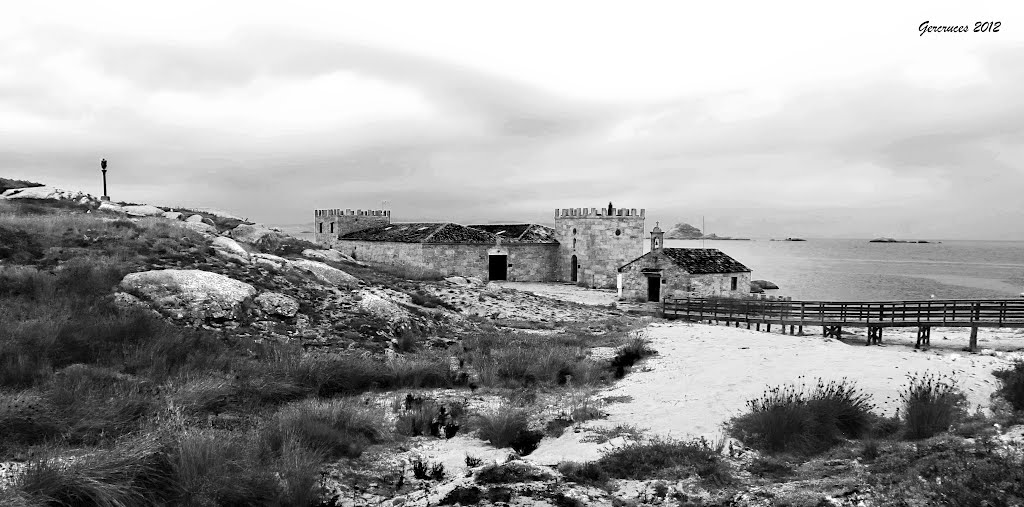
(951, 313)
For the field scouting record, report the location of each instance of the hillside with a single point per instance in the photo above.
(159, 356)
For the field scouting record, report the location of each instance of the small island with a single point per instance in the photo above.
(789, 239)
(892, 240)
(687, 231)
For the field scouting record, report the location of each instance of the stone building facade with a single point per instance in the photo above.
(682, 272)
(331, 223)
(594, 242)
(594, 247)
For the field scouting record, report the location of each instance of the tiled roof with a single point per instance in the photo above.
(699, 261)
(520, 233)
(421, 232)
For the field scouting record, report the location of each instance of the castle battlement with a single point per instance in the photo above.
(352, 212)
(598, 212)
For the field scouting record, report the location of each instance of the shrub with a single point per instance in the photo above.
(637, 348)
(338, 427)
(589, 473)
(1011, 384)
(135, 472)
(931, 404)
(666, 459)
(215, 467)
(422, 469)
(795, 418)
(500, 426)
(510, 472)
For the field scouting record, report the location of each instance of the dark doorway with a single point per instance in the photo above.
(497, 267)
(573, 269)
(654, 288)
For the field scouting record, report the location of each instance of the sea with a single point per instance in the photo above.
(858, 270)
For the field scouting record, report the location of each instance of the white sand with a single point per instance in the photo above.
(704, 374)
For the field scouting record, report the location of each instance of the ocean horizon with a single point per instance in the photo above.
(858, 270)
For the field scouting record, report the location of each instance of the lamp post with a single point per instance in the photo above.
(103, 165)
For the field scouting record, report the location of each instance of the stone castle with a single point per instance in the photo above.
(586, 245)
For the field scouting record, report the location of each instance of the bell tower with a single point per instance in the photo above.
(657, 238)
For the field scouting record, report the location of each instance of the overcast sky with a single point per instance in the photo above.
(772, 119)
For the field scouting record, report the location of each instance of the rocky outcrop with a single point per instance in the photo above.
(325, 273)
(173, 215)
(230, 249)
(251, 233)
(327, 255)
(684, 231)
(199, 227)
(47, 192)
(142, 210)
(190, 294)
(270, 262)
(272, 303)
(383, 308)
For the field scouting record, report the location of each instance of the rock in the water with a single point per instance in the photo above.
(273, 303)
(190, 294)
(172, 215)
(229, 248)
(142, 210)
(325, 273)
(251, 233)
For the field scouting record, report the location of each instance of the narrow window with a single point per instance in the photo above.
(321, 227)
(332, 227)
(735, 282)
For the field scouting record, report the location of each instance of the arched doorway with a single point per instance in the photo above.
(573, 267)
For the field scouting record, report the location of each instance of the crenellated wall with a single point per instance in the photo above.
(328, 224)
(601, 239)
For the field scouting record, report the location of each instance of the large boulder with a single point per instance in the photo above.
(199, 227)
(46, 192)
(325, 273)
(331, 255)
(383, 308)
(190, 294)
(251, 233)
(195, 218)
(273, 303)
(173, 215)
(269, 261)
(230, 249)
(142, 210)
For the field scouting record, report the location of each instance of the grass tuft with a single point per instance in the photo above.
(931, 404)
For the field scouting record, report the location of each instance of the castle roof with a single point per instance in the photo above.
(421, 232)
(698, 261)
(520, 233)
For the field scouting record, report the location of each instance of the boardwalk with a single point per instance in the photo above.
(832, 316)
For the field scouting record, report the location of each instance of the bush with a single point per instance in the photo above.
(931, 404)
(589, 473)
(523, 360)
(809, 421)
(506, 426)
(666, 459)
(1011, 384)
(510, 472)
(136, 472)
(637, 348)
(338, 427)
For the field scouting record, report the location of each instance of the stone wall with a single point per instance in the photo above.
(602, 242)
(529, 262)
(328, 224)
(676, 282)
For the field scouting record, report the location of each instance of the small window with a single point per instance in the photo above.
(332, 227)
(618, 232)
(735, 283)
(321, 227)
(573, 243)
(574, 230)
